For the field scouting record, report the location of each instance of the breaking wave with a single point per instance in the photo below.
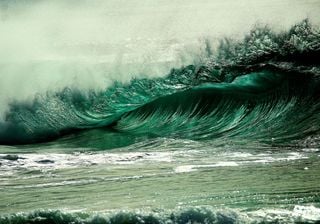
(265, 88)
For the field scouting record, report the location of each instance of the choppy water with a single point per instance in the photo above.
(231, 138)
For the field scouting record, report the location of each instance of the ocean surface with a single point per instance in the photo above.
(144, 127)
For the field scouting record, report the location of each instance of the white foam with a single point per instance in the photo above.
(183, 160)
(53, 161)
(310, 150)
(302, 214)
(307, 212)
(190, 168)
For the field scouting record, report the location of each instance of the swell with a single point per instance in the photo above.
(264, 88)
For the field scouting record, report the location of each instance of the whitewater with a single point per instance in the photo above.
(159, 111)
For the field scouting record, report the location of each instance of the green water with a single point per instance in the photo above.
(162, 177)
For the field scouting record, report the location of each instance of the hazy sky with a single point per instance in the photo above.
(117, 20)
(44, 28)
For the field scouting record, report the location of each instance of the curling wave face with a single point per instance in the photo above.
(265, 88)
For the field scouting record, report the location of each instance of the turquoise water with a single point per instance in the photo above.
(233, 138)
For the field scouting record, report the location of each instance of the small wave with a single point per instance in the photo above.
(204, 214)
